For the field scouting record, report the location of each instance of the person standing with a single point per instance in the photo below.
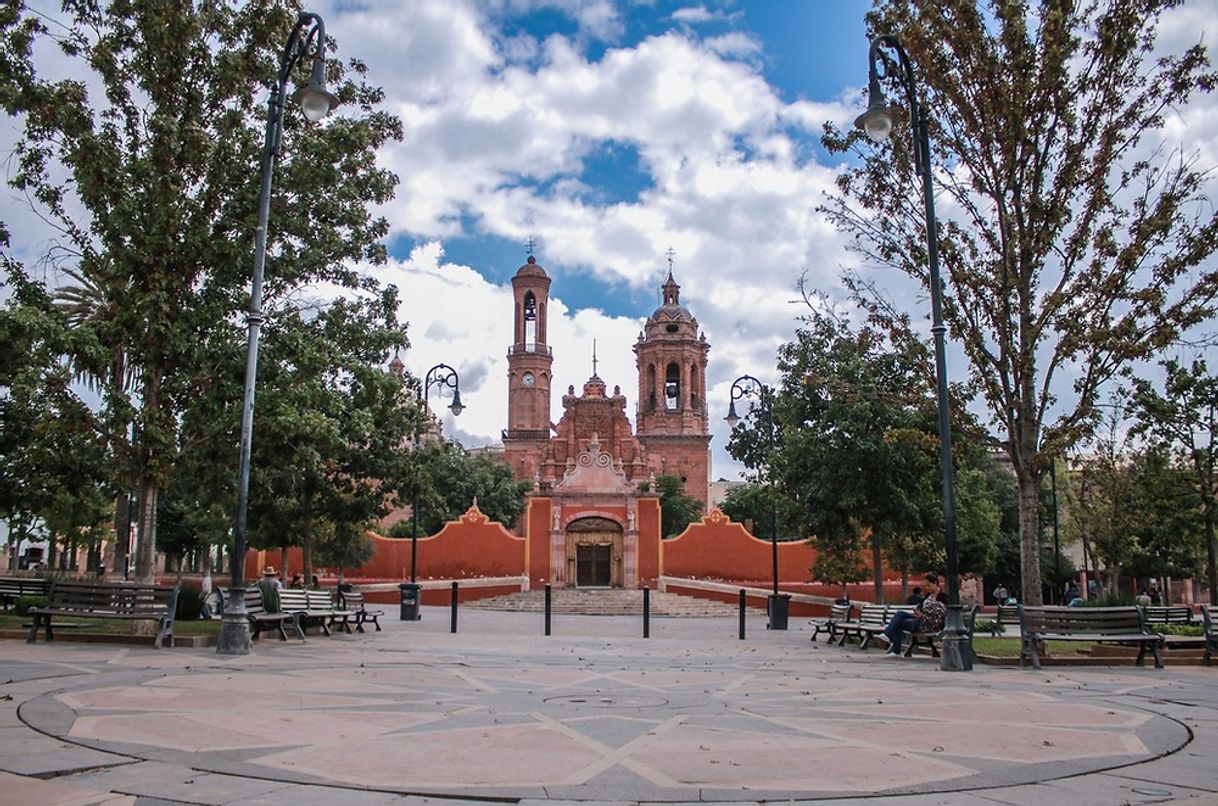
(970, 590)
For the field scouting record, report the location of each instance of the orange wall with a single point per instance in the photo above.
(540, 516)
(471, 546)
(650, 557)
(717, 548)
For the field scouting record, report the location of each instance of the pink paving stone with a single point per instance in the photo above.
(1026, 743)
(511, 755)
(306, 682)
(237, 700)
(1011, 713)
(694, 756)
(19, 789)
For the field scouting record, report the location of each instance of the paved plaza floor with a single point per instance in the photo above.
(593, 713)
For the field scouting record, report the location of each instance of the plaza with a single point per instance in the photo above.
(593, 713)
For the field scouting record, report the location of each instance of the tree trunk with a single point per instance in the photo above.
(306, 539)
(1211, 568)
(1029, 538)
(145, 558)
(877, 570)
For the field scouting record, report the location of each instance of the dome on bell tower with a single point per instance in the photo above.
(532, 269)
(671, 318)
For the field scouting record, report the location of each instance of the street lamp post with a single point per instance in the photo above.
(748, 385)
(442, 376)
(877, 123)
(307, 41)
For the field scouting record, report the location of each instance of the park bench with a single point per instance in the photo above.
(13, 588)
(872, 620)
(259, 617)
(353, 602)
(1211, 632)
(322, 602)
(1118, 625)
(1006, 616)
(311, 607)
(1169, 614)
(109, 600)
(839, 613)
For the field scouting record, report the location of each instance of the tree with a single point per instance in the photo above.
(53, 467)
(1071, 240)
(856, 456)
(451, 480)
(1182, 420)
(334, 427)
(677, 509)
(754, 504)
(161, 165)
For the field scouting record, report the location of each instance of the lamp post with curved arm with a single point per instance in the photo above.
(747, 385)
(442, 376)
(307, 41)
(877, 123)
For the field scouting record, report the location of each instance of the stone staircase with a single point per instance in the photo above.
(605, 602)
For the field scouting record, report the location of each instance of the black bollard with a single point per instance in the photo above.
(453, 627)
(646, 612)
(547, 609)
(742, 606)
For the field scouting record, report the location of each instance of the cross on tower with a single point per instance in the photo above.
(594, 358)
(530, 244)
(670, 253)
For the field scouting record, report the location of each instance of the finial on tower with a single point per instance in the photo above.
(530, 245)
(594, 358)
(670, 253)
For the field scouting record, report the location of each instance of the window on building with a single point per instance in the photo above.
(672, 387)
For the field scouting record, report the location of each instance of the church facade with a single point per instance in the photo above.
(594, 475)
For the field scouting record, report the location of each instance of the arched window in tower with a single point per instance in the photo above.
(530, 320)
(672, 387)
(693, 387)
(651, 387)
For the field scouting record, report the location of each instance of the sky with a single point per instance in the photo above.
(610, 133)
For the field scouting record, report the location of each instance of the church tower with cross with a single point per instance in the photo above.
(593, 472)
(671, 422)
(530, 359)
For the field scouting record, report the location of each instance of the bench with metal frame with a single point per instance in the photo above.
(353, 602)
(1115, 625)
(1169, 614)
(13, 588)
(107, 600)
(839, 613)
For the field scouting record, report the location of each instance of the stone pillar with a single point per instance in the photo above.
(630, 559)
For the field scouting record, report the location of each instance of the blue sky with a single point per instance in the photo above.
(610, 131)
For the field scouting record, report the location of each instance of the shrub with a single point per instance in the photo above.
(983, 625)
(1179, 629)
(1110, 600)
(23, 604)
(190, 603)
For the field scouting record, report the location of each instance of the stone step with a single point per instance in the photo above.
(606, 602)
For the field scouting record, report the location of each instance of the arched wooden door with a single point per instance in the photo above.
(594, 552)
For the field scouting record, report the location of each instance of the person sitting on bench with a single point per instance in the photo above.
(926, 617)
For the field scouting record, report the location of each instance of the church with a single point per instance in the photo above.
(592, 468)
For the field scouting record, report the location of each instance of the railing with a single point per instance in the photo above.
(530, 347)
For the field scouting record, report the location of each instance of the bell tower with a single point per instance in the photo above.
(529, 372)
(672, 420)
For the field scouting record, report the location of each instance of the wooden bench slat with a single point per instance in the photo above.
(115, 600)
(1090, 624)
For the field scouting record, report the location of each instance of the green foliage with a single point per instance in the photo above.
(142, 152)
(754, 506)
(22, 604)
(402, 528)
(677, 510)
(449, 480)
(1189, 630)
(1180, 421)
(344, 550)
(190, 602)
(1067, 243)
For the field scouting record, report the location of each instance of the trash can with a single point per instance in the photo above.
(410, 601)
(778, 608)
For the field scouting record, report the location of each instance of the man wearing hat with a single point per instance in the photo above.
(269, 576)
